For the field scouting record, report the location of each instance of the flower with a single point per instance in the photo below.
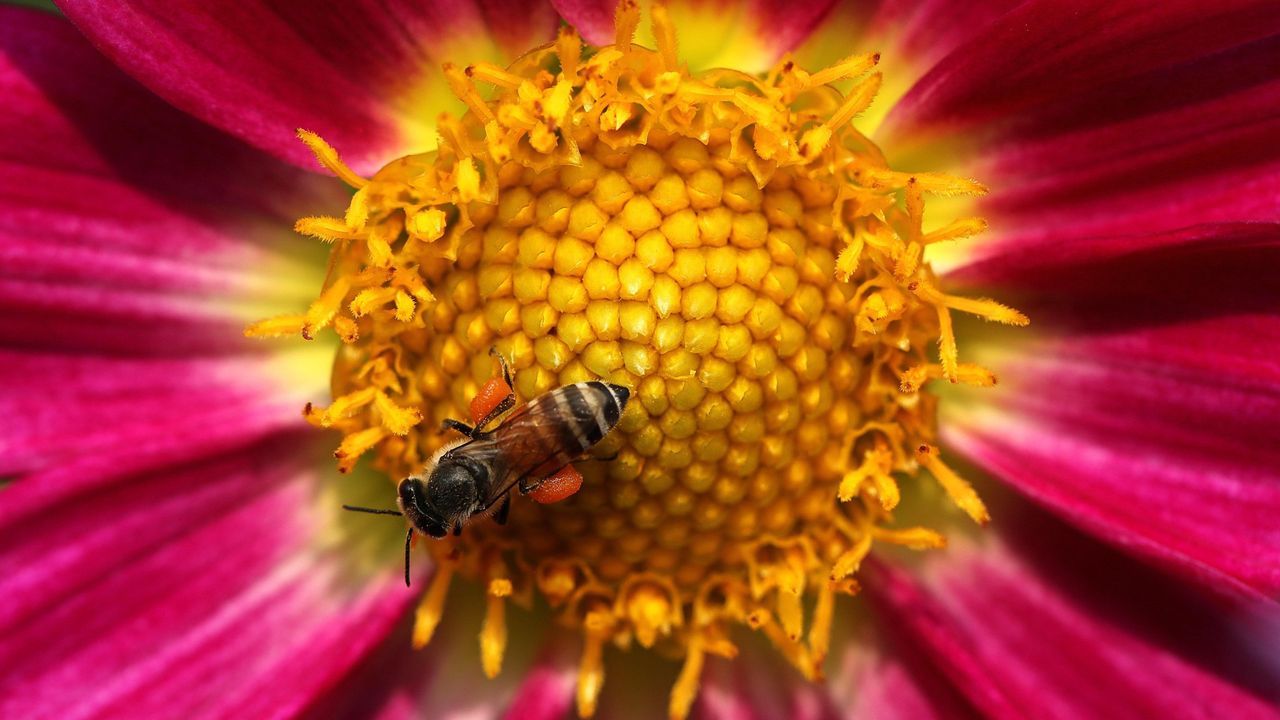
(621, 209)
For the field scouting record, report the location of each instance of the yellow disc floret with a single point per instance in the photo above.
(731, 249)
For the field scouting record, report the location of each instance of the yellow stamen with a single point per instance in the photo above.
(328, 157)
(328, 229)
(431, 608)
(323, 311)
(956, 230)
(987, 309)
(858, 101)
(461, 86)
(493, 635)
(850, 67)
(596, 629)
(966, 373)
(686, 687)
(279, 326)
(569, 49)
(357, 444)
(849, 562)
(626, 18)
(358, 211)
(824, 615)
(494, 75)
(917, 538)
(651, 610)
(347, 405)
(959, 490)
(396, 419)
(664, 33)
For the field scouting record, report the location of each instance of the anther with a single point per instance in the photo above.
(462, 88)
(494, 75)
(625, 21)
(431, 608)
(328, 157)
(357, 444)
(664, 32)
(569, 48)
(850, 67)
(597, 626)
(493, 633)
(325, 228)
(686, 687)
(960, 491)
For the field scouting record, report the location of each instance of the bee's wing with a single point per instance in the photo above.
(534, 441)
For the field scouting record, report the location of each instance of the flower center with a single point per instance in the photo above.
(728, 247)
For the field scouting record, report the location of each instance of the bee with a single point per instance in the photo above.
(474, 475)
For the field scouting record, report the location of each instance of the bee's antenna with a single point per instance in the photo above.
(371, 511)
(408, 538)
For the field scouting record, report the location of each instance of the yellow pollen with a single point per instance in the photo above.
(730, 248)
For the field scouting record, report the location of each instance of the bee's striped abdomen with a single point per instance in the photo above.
(591, 408)
(558, 427)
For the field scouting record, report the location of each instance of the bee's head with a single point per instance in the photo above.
(450, 494)
(413, 503)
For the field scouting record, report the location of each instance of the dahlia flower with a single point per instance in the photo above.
(254, 254)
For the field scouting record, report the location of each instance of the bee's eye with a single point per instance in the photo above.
(410, 491)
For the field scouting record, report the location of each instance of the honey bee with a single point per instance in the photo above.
(474, 476)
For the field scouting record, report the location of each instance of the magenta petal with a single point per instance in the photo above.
(1046, 49)
(759, 685)
(357, 73)
(1159, 439)
(881, 675)
(71, 116)
(100, 417)
(202, 590)
(444, 680)
(126, 226)
(1193, 144)
(1123, 280)
(547, 690)
(1018, 645)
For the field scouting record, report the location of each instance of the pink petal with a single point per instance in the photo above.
(364, 75)
(748, 36)
(547, 690)
(1127, 280)
(99, 416)
(881, 675)
(206, 589)
(1159, 439)
(759, 684)
(444, 680)
(1043, 50)
(69, 112)
(126, 226)
(1085, 644)
(1198, 143)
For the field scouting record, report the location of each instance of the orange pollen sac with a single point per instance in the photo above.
(728, 247)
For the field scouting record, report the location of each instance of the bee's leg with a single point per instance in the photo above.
(504, 510)
(603, 458)
(465, 429)
(506, 404)
(527, 484)
(502, 363)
